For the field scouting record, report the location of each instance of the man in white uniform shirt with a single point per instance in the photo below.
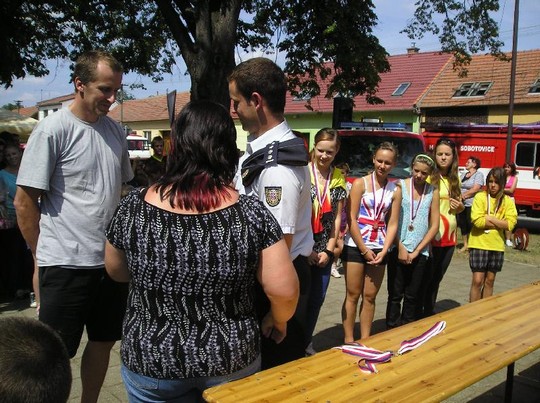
(257, 88)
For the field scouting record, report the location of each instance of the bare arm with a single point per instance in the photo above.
(288, 240)
(434, 222)
(116, 264)
(278, 278)
(28, 214)
(511, 189)
(471, 192)
(353, 207)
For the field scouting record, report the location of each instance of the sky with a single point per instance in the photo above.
(392, 18)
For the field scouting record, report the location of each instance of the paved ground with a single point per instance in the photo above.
(454, 292)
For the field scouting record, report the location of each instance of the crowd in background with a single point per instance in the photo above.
(16, 263)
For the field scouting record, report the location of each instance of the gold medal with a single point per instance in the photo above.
(411, 227)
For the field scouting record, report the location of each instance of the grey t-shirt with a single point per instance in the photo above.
(80, 167)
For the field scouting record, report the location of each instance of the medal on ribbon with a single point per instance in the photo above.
(324, 205)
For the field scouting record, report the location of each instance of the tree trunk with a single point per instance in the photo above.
(211, 58)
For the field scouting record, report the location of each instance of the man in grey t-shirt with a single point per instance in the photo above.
(68, 187)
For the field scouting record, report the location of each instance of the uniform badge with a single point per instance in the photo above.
(272, 194)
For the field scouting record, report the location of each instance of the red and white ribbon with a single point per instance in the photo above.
(369, 356)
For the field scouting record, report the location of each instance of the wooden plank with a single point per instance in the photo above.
(479, 339)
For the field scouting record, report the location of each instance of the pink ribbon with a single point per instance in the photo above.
(369, 356)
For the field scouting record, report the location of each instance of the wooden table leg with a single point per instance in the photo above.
(509, 383)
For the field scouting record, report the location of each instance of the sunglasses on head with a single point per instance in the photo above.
(447, 142)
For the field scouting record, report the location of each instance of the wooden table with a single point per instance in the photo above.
(480, 339)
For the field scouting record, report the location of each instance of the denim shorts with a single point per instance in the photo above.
(142, 388)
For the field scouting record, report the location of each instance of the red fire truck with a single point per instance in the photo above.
(488, 143)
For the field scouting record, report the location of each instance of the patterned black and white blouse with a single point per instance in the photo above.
(321, 239)
(190, 307)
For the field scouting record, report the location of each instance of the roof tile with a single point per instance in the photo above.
(148, 109)
(487, 68)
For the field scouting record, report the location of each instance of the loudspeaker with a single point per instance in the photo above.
(343, 108)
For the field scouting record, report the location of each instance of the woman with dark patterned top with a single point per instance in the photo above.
(192, 249)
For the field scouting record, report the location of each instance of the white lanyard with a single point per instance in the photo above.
(377, 207)
(489, 208)
(319, 197)
(414, 213)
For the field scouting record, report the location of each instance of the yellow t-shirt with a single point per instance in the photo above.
(494, 239)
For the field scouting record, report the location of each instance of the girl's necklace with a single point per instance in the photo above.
(377, 207)
(414, 212)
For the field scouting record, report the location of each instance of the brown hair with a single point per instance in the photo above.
(325, 134)
(452, 174)
(263, 76)
(499, 175)
(86, 65)
(386, 145)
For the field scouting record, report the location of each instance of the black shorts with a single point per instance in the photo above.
(71, 299)
(481, 260)
(352, 254)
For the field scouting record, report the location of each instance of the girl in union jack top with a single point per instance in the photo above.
(373, 215)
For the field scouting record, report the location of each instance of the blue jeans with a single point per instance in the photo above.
(320, 279)
(142, 388)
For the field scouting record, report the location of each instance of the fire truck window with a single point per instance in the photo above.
(527, 154)
(357, 151)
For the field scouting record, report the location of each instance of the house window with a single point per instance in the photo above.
(535, 88)
(400, 90)
(477, 89)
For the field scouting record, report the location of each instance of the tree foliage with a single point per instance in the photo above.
(10, 106)
(326, 45)
(466, 27)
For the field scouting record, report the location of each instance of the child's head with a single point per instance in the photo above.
(510, 169)
(496, 179)
(424, 159)
(325, 146)
(446, 156)
(385, 157)
(422, 166)
(344, 168)
(386, 146)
